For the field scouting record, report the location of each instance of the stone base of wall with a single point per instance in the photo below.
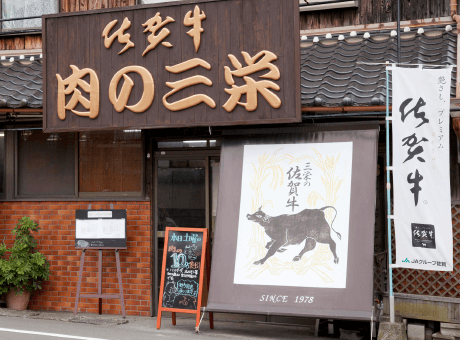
(56, 241)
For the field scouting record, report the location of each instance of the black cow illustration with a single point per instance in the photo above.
(309, 225)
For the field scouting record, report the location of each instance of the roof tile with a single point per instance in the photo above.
(331, 75)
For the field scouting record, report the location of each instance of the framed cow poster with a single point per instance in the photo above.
(301, 191)
(295, 236)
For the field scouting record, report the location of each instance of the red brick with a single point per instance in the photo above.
(55, 240)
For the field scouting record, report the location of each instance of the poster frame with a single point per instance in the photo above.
(86, 211)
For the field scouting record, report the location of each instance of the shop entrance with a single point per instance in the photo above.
(185, 194)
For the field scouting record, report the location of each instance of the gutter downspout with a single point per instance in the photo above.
(456, 18)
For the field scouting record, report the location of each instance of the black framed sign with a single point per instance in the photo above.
(100, 228)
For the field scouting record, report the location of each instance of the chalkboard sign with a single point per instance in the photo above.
(183, 269)
(100, 229)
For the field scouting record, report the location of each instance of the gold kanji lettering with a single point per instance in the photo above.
(181, 84)
(252, 87)
(123, 38)
(195, 21)
(74, 80)
(120, 102)
(153, 25)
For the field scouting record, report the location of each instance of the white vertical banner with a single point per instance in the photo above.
(421, 172)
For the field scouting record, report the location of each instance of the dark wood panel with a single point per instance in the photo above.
(119, 61)
(105, 117)
(181, 51)
(89, 53)
(83, 50)
(212, 57)
(277, 39)
(152, 63)
(138, 18)
(50, 66)
(69, 55)
(201, 109)
(165, 58)
(224, 37)
(375, 11)
(230, 27)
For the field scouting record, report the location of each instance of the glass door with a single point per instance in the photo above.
(181, 193)
(185, 186)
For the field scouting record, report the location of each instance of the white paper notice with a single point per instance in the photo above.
(100, 229)
(99, 214)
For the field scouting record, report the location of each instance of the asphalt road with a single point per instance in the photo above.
(16, 328)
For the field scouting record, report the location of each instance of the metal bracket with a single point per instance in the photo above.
(388, 186)
(111, 206)
(391, 217)
(390, 168)
(389, 118)
(89, 206)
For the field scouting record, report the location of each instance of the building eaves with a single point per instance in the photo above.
(21, 84)
(339, 72)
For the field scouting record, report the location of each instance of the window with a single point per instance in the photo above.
(46, 164)
(26, 8)
(317, 5)
(71, 165)
(110, 162)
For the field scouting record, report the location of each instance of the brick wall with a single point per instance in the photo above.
(56, 241)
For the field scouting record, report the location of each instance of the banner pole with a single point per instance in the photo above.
(390, 270)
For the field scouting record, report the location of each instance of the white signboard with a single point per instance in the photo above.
(421, 178)
(100, 229)
(294, 215)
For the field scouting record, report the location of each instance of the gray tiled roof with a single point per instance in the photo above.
(21, 85)
(331, 75)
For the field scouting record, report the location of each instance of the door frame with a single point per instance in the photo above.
(176, 155)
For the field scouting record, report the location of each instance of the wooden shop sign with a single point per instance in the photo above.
(173, 65)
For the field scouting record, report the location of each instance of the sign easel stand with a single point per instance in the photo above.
(206, 264)
(207, 267)
(99, 283)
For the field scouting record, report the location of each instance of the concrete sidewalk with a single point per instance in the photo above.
(115, 327)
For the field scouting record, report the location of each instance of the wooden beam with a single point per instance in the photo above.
(345, 109)
(332, 5)
(380, 26)
(38, 110)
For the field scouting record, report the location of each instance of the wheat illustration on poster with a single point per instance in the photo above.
(294, 215)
